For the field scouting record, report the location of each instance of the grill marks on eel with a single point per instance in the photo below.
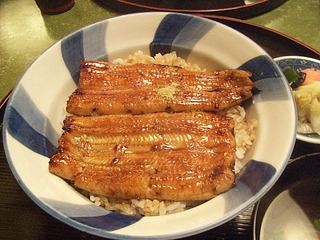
(181, 156)
(148, 131)
(105, 88)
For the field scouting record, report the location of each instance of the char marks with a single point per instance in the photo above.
(147, 88)
(150, 131)
(148, 156)
(102, 76)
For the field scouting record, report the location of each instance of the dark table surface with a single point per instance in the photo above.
(21, 218)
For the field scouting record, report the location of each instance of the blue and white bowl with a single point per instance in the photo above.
(299, 63)
(36, 110)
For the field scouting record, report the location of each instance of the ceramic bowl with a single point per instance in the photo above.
(36, 110)
(299, 63)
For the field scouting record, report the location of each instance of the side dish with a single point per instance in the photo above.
(151, 136)
(307, 96)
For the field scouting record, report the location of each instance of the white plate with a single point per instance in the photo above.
(290, 210)
(35, 112)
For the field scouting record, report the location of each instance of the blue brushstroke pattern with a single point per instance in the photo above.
(273, 88)
(26, 123)
(251, 179)
(88, 43)
(26, 135)
(268, 79)
(110, 222)
(90, 215)
(262, 67)
(72, 53)
(178, 32)
(94, 46)
(255, 175)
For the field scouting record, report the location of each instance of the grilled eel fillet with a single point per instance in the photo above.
(106, 88)
(165, 156)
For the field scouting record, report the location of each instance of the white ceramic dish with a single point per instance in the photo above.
(34, 115)
(290, 210)
(298, 63)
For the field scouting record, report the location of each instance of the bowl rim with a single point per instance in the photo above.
(79, 226)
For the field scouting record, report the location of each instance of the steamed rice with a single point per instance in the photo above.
(244, 132)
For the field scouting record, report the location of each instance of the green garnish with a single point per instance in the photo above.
(294, 78)
(291, 75)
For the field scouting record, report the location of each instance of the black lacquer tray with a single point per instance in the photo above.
(298, 192)
(232, 8)
(21, 218)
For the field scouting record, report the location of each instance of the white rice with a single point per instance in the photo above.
(141, 207)
(170, 59)
(244, 132)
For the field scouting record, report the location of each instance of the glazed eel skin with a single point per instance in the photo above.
(164, 156)
(150, 131)
(106, 88)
